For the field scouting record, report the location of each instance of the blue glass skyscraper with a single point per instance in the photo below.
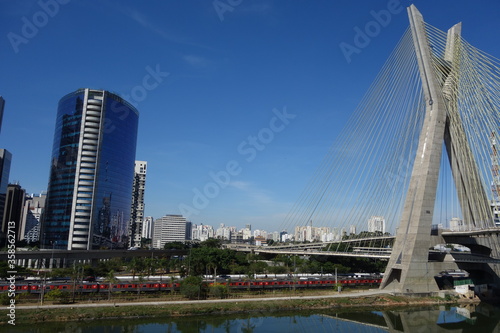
(91, 176)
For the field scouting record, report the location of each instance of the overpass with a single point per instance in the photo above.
(47, 259)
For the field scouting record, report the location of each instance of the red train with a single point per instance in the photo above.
(36, 287)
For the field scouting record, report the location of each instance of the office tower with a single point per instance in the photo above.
(352, 230)
(376, 224)
(137, 209)
(202, 232)
(92, 171)
(5, 160)
(147, 227)
(2, 104)
(12, 214)
(171, 228)
(224, 232)
(32, 215)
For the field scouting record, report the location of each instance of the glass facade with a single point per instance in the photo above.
(90, 184)
(5, 161)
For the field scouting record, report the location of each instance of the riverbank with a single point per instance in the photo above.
(81, 312)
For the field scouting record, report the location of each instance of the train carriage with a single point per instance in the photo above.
(152, 286)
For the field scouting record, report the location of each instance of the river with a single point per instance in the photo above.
(481, 318)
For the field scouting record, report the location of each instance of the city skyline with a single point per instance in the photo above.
(238, 106)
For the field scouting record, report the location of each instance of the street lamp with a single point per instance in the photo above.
(52, 257)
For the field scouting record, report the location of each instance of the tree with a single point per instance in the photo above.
(58, 295)
(150, 265)
(136, 265)
(213, 265)
(146, 243)
(277, 270)
(218, 259)
(76, 275)
(237, 269)
(218, 290)
(60, 273)
(104, 267)
(257, 267)
(212, 242)
(193, 287)
(110, 279)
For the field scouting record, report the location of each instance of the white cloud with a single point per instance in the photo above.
(240, 185)
(145, 22)
(254, 196)
(195, 61)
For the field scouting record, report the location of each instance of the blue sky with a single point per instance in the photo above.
(252, 91)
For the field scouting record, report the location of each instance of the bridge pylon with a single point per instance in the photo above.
(409, 269)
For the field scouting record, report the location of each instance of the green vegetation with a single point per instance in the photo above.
(58, 296)
(193, 287)
(208, 258)
(70, 313)
(218, 290)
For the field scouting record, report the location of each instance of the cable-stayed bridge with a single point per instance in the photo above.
(331, 248)
(386, 173)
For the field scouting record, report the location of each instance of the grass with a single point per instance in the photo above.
(70, 313)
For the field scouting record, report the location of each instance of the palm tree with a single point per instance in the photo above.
(136, 265)
(75, 274)
(110, 278)
(141, 280)
(213, 265)
(172, 281)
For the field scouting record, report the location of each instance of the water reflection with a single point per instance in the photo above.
(468, 318)
(482, 318)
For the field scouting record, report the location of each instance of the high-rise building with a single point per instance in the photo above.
(457, 224)
(376, 224)
(171, 228)
(5, 160)
(352, 230)
(247, 232)
(32, 215)
(2, 104)
(92, 172)
(137, 208)
(202, 232)
(147, 227)
(224, 232)
(13, 211)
